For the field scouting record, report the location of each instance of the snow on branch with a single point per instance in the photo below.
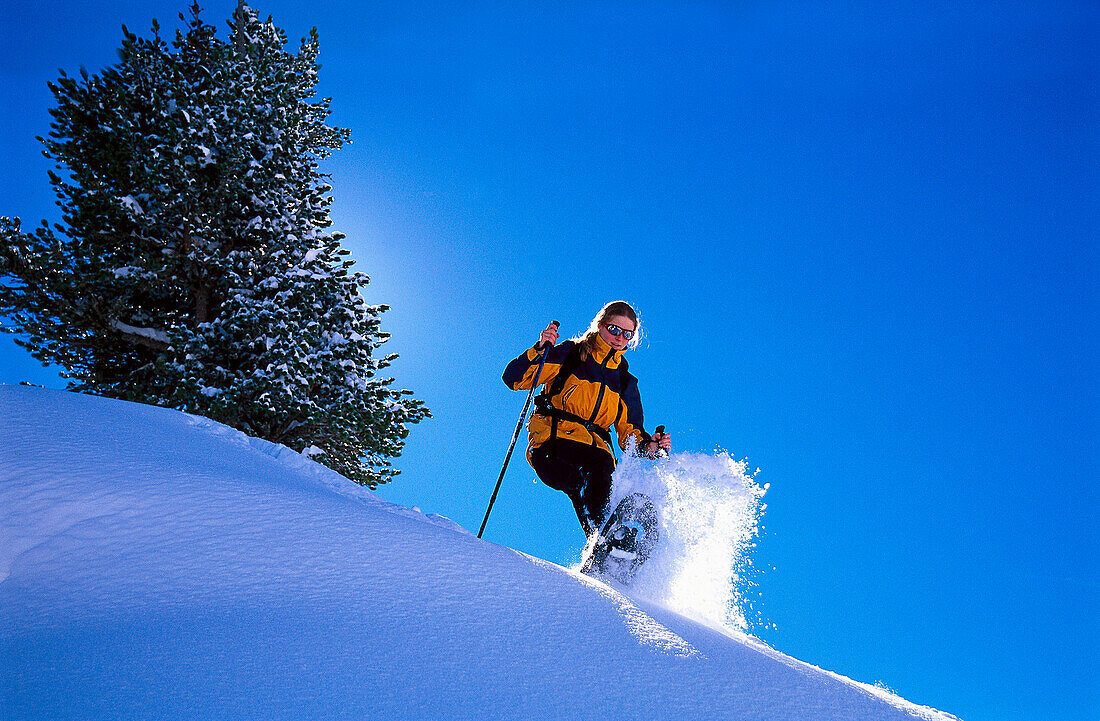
(150, 337)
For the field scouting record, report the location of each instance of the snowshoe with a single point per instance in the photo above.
(624, 542)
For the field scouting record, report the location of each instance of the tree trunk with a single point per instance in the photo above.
(202, 305)
(240, 26)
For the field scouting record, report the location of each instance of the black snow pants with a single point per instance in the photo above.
(582, 472)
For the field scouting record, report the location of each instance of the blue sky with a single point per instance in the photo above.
(863, 241)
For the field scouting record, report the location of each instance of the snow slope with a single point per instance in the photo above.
(156, 564)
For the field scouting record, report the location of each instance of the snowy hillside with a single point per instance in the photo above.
(158, 565)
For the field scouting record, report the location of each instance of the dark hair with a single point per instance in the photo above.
(587, 342)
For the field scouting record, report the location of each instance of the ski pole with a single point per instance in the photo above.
(519, 427)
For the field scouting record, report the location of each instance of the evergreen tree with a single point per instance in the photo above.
(193, 267)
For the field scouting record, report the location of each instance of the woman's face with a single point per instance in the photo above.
(618, 342)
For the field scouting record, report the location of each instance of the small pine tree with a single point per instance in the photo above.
(193, 267)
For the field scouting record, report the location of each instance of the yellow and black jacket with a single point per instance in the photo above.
(596, 394)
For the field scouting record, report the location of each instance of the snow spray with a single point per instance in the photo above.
(710, 510)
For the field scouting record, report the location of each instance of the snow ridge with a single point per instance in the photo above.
(155, 564)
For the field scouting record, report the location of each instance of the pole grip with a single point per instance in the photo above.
(661, 452)
(544, 345)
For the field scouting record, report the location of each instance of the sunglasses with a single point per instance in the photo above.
(616, 330)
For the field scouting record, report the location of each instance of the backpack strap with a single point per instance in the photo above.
(544, 407)
(570, 363)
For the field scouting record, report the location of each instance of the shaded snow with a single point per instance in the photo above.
(156, 564)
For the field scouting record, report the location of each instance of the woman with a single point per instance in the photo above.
(588, 390)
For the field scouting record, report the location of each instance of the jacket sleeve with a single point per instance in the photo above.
(630, 417)
(520, 373)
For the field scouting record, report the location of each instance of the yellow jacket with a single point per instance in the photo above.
(598, 391)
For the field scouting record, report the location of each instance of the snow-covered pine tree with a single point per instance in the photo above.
(194, 267)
